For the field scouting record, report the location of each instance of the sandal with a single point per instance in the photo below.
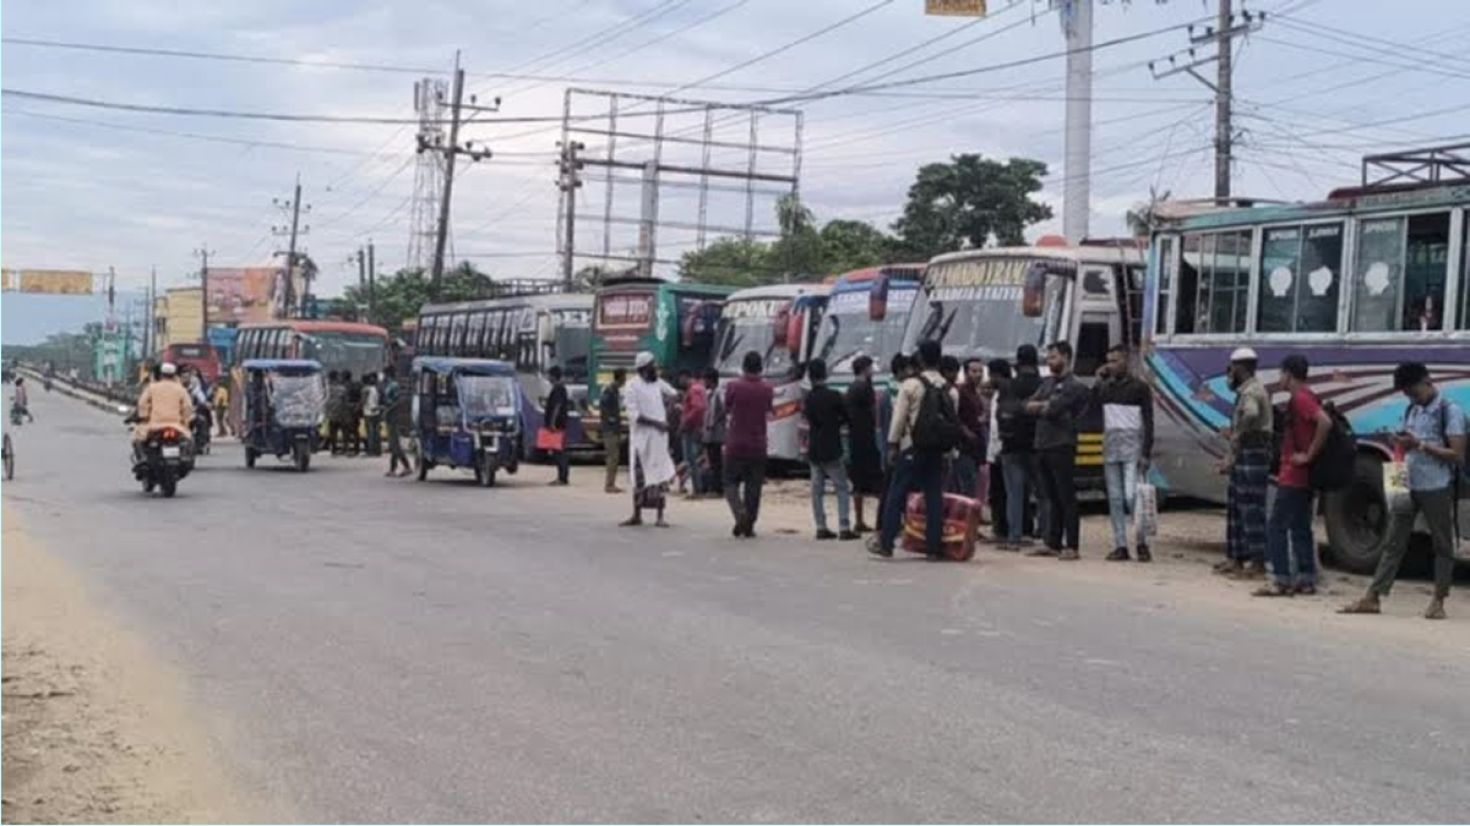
(1362, 606)
(1274, 591)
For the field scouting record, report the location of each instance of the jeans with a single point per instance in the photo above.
(693, 448)
(744, 479)
(1059, 487)
(1122, 482)
(836, 470)
(963, 476)
(915, 470)
(1019, 472)
(612, 444)
(1438, 507)
(374, 435)
(1289, 545)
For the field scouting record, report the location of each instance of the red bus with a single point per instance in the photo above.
(198, 355)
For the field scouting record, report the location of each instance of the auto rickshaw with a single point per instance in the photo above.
(466, 414)
(284, 403)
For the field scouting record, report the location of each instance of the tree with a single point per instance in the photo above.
(732, 262)
(798, 253)
(852, 245)
(398, 297)
(801, 253)
(970, 202)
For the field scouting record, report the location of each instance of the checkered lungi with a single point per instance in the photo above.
(1246, 501)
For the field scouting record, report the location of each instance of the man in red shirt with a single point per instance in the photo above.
(691, 430)
(1289, 542)
(747, 408)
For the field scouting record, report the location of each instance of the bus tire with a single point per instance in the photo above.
(1359, 524)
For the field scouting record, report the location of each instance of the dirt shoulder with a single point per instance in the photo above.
(95, 729)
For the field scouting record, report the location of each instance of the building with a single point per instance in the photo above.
(178, 317)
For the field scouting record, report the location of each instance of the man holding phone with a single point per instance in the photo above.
(1433, 440)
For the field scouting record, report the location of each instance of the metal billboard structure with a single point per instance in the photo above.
(646, 179)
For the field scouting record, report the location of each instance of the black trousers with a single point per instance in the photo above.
(744, 479)
(716, 455)
(1059, 488)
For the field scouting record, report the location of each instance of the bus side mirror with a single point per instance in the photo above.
(1033, 290)
(878, 298)
(795, 332)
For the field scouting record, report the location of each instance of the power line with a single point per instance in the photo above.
(191, 135)
(1358, 40)
(1366, 58)
(219, 56)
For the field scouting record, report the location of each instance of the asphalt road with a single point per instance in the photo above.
(368, 650)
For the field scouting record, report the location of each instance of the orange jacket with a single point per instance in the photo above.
(164, 403)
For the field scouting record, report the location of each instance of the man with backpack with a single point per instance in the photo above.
(1057, 405)
(1433, 438)
(925, 429)
(1289, 545)
(1018, 448)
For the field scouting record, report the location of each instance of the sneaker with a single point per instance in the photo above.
(1069, 555)
(1367, 605)
(847, 536)
(825, 534)
(612, 489)
(1118, 555)
(1040, 551)
(1144, 555)
(876, 548)
(861, 528)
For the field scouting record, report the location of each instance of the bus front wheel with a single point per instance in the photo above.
(1359, 523)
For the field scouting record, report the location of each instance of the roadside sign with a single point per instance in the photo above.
(955, 8)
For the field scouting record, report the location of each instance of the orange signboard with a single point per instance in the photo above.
(53, 282)
(244, 295)
(955, 8)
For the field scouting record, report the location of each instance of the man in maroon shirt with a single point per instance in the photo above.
(1289, 543)
(747, 407)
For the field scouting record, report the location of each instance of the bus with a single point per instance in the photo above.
(533, 331)
(200, 356)
(1371, 277)
(676, 322)
(779, 322)
(338, 345)
(867, 311)
(985, 303)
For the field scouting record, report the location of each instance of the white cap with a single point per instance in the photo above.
(644, 359)
(1243, 354)
(167, 369)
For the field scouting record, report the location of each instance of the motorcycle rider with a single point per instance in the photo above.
(194, 383)
(164, 403)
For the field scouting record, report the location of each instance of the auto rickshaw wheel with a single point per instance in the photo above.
(485, 471)
(302, 456)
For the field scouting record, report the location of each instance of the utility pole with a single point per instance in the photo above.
(451, 151)
(203, 253)
(569, 181)
(294, 205)
(1077, 153)
(372, 275)
(149, 333)
(1221, 36)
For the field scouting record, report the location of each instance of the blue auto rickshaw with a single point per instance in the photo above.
(466, 414)
(285, 402)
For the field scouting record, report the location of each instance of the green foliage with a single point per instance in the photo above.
(398, 297)
(852, 245)
(970, 202)
(802, 252)
(732, 262)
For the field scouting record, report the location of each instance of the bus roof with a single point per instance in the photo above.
(550, 301)
(778, 291)
(1339, 202)
(282, 364)
(302, 325)
(1090, 252)
(915, 271)
(711, 290)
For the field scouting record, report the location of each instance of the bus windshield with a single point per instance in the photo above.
(354, 352)
(750, 325)
(974, 308)
(573, 343)
(847, 331)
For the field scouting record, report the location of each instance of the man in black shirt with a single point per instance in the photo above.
(610, 407)
(826, 413)
(555, 419)
(864, 454)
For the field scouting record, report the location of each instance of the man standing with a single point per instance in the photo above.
(1433, 437)
(352, 414)
(1289, 543)
(826, 414)
(974, 414)
(392, 395)
(691, 431)
(1056, 406)
(372, 414)
(555, 418)
(915, 468)
(610, 409)
(336, 401)
(747, 409)
(1128, 441)
(864, 457)
(222, 405)
(714, 432)
(1249, 468)
(649, 462)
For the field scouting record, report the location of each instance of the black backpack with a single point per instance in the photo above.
(937, 427)
(1333, 467)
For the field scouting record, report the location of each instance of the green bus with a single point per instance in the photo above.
(675, 322)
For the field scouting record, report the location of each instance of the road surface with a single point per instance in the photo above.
(370, 650)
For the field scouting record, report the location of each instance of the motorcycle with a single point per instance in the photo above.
(161, 460)
(201, 427)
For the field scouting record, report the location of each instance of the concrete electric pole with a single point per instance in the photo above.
(569, 181)
(203, 253)
(295, 206)
(1077, 166)
(451, 150)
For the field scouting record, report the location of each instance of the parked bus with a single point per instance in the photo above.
(1367, 279)
(675, 322)
(985, 303)
(338, 345)
(199, 356)
(535, 332)
(867, 311)
(779, 322)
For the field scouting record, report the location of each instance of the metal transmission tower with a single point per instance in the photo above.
(660, 174)
(430, 102)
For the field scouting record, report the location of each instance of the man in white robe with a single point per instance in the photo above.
(649, 462)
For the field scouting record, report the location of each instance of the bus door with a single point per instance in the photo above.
(1096, 326)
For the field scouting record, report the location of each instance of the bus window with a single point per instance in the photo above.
(1400, 273)
(1186, 307)
(1133, 290)
(1300, 268)
(1223, 265)
(1168, 266)
(474, 332)
(457, 334)
(1465, 275)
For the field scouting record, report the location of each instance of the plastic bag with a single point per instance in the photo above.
(1145, 510)
(1396, 487)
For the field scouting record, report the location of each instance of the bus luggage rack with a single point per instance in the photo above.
(512, 287)
(1431, 165)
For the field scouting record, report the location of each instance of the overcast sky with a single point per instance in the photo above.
(81, 193)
